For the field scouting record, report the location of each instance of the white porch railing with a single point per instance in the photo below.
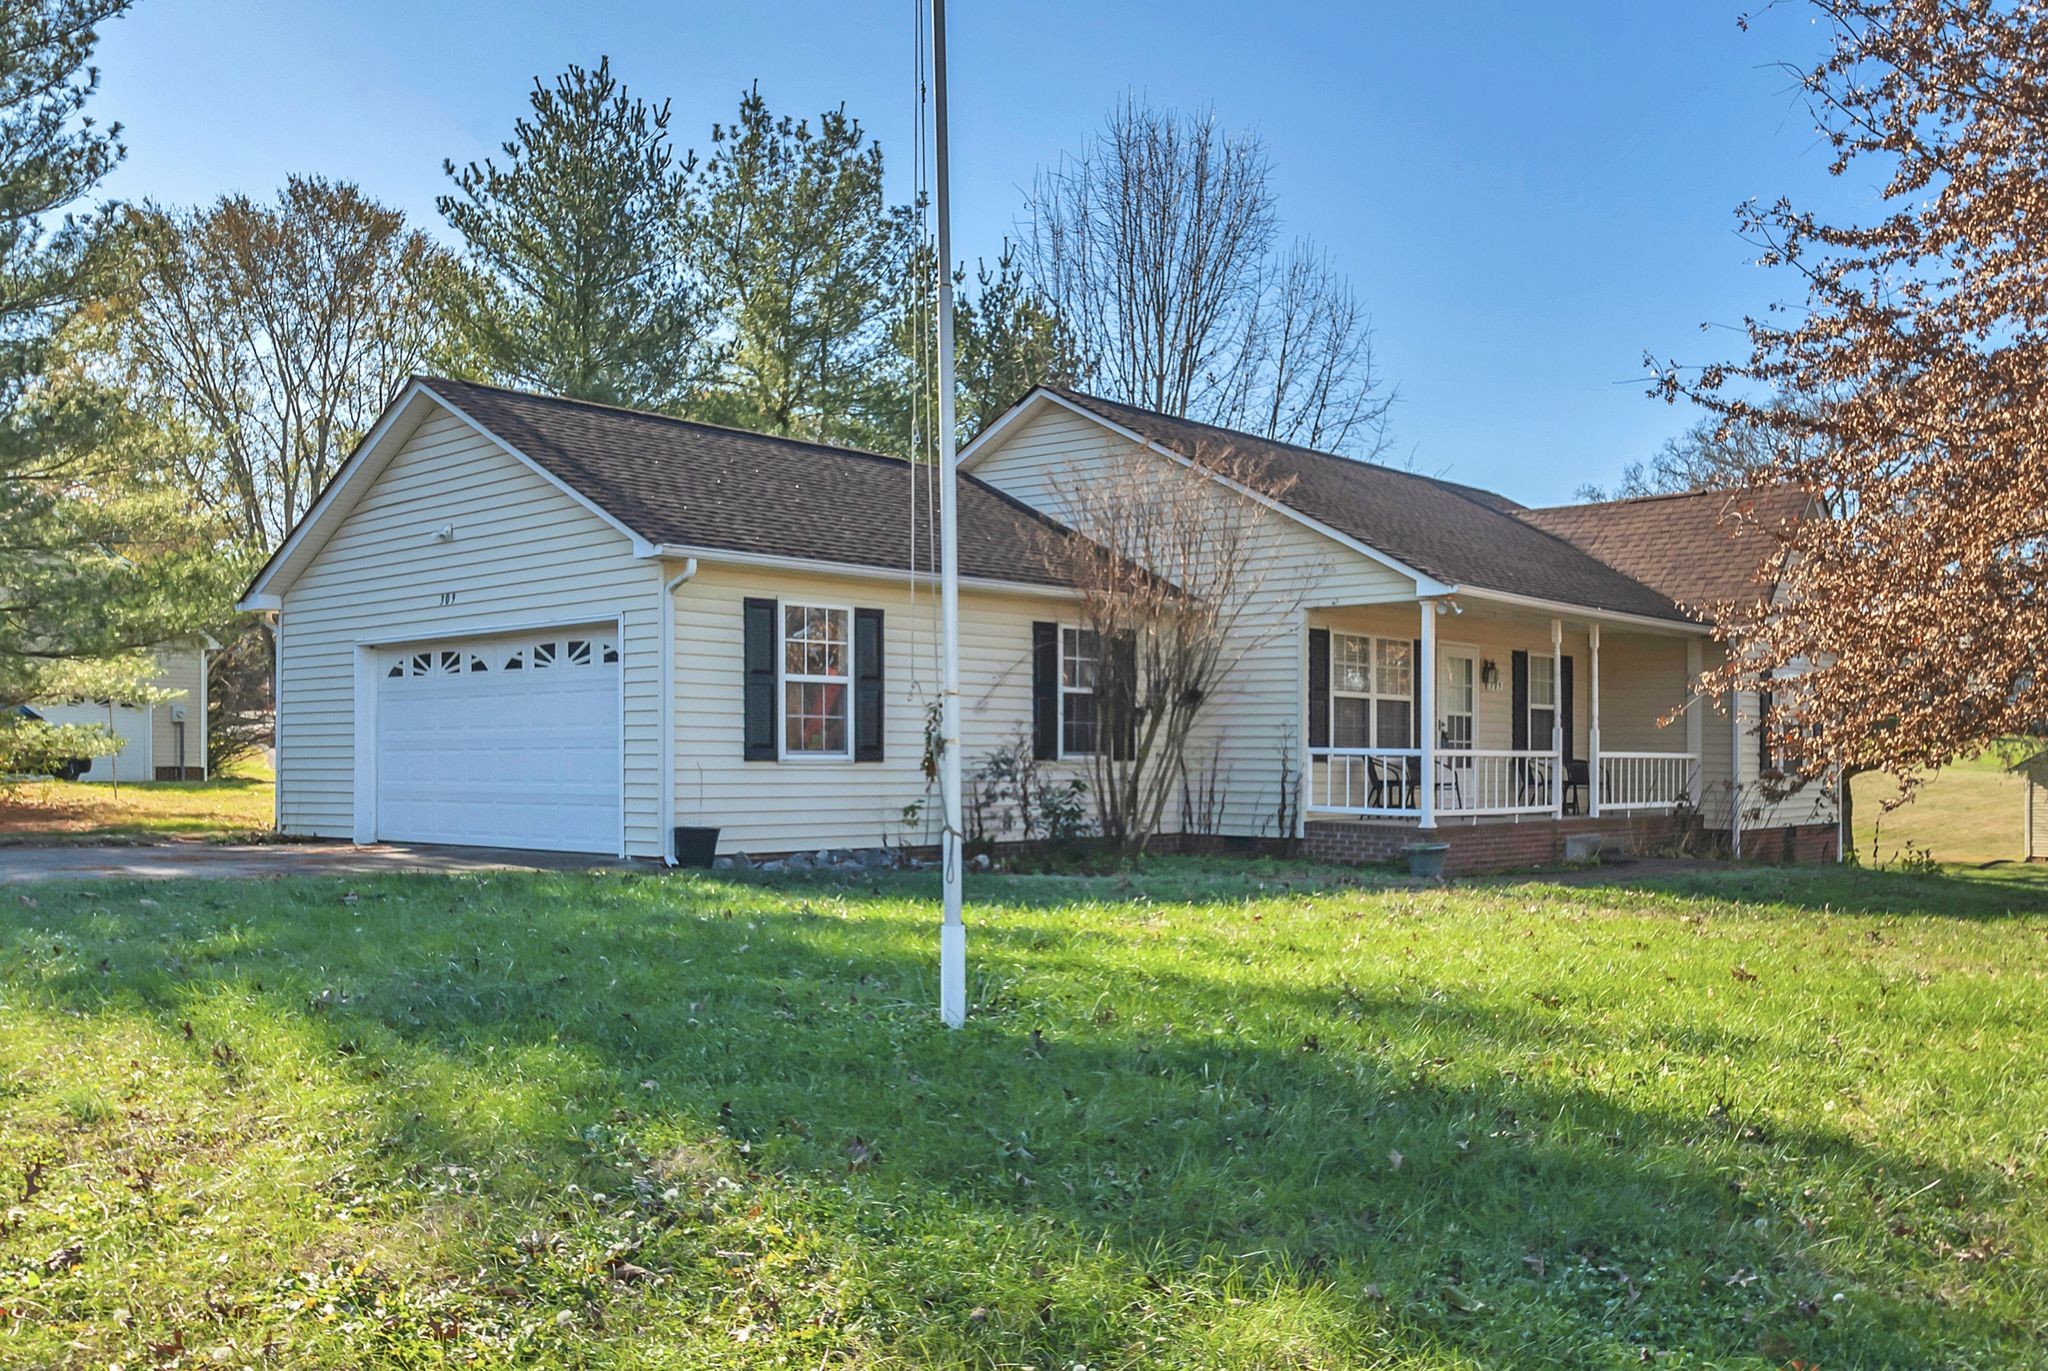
(1646, 780)
(1386, 782)
(1381, 782)
(1496, 781)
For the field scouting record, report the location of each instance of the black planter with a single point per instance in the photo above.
(696, 846)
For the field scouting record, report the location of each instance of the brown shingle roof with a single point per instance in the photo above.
(1455, 533)
(679, 483)
(1702, 549)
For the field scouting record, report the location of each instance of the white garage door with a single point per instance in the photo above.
(501, 742)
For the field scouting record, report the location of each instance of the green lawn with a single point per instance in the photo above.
(1967, 812)
(232, 805)
(1204, 1117)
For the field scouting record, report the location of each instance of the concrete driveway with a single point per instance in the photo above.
(174, 861)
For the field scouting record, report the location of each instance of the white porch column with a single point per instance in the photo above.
(1593, 724)
(1695, 721)
(1425, 682)
(1557, 714)
(1307, 787)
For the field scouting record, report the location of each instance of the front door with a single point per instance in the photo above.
(1457, 697)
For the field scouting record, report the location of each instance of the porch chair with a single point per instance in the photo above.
(1578, 778)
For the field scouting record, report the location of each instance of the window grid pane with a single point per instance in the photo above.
(1078, 732)
(816, 665)
(1372, 685)
(1349, 727)
(814, 717)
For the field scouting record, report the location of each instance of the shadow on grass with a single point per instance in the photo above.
(1406, 1157)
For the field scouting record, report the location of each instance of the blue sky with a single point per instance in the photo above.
(1528, 196)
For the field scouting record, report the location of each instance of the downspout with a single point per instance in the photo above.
(277, 720)
(668, 709)
(1735, 774)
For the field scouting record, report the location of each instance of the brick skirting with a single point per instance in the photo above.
(1483, 847)
(1789, 844)
(1479, 848)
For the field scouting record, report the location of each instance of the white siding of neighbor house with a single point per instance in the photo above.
(524, 554)
(181, 669)
(1250, 736)
(806, 803)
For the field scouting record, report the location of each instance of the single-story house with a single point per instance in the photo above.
(159, 742)
(525, 621)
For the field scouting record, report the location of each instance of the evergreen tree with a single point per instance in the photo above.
(578, 282)
(805, 260)
(1005, 341)
(89, 565)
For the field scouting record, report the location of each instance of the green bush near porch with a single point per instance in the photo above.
(1210, 1115)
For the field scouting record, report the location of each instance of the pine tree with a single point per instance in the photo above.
(578, 283)
(89, 566)
(804, 257)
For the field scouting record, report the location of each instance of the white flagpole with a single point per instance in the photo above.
(953, 932)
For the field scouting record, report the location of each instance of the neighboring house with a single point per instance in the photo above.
(522, 621)
(2033, 773)
(160, 742)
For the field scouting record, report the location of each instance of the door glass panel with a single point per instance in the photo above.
(1455, 723)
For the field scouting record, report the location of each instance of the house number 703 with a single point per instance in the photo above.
(447, 597)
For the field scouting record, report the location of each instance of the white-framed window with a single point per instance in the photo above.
(1542, 702)
(1080, 670)
(1372, 690)
(817, 681)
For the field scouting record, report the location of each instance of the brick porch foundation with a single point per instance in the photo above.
(1483, 847)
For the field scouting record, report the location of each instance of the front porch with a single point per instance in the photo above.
(1552, 723)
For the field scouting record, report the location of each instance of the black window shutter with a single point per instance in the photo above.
(867, 685)
(1319, 687)
(1122, 682)
(1415, 683)
(1045, 691)
(1564, 707)
(759, 617)
(1518, 671)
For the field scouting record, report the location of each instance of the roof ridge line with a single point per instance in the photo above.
(1444, 483)
(1652, 498)
(628, 410)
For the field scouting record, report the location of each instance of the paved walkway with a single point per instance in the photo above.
(170, 861)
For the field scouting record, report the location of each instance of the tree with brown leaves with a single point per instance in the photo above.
(1907, 627)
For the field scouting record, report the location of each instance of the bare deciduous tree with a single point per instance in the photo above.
(268, 337)
(1178, 583)
(1157, 247)
(1716, 453)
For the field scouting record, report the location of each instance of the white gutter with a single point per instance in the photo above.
(818, 566)
(1680, 627)
(668, 709)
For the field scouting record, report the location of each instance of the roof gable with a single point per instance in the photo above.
(673, 486)
(1454, 535)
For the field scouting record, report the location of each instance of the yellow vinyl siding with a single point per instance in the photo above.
(179, 668)
(524, 553)
(1254, 723)
(809, 803)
